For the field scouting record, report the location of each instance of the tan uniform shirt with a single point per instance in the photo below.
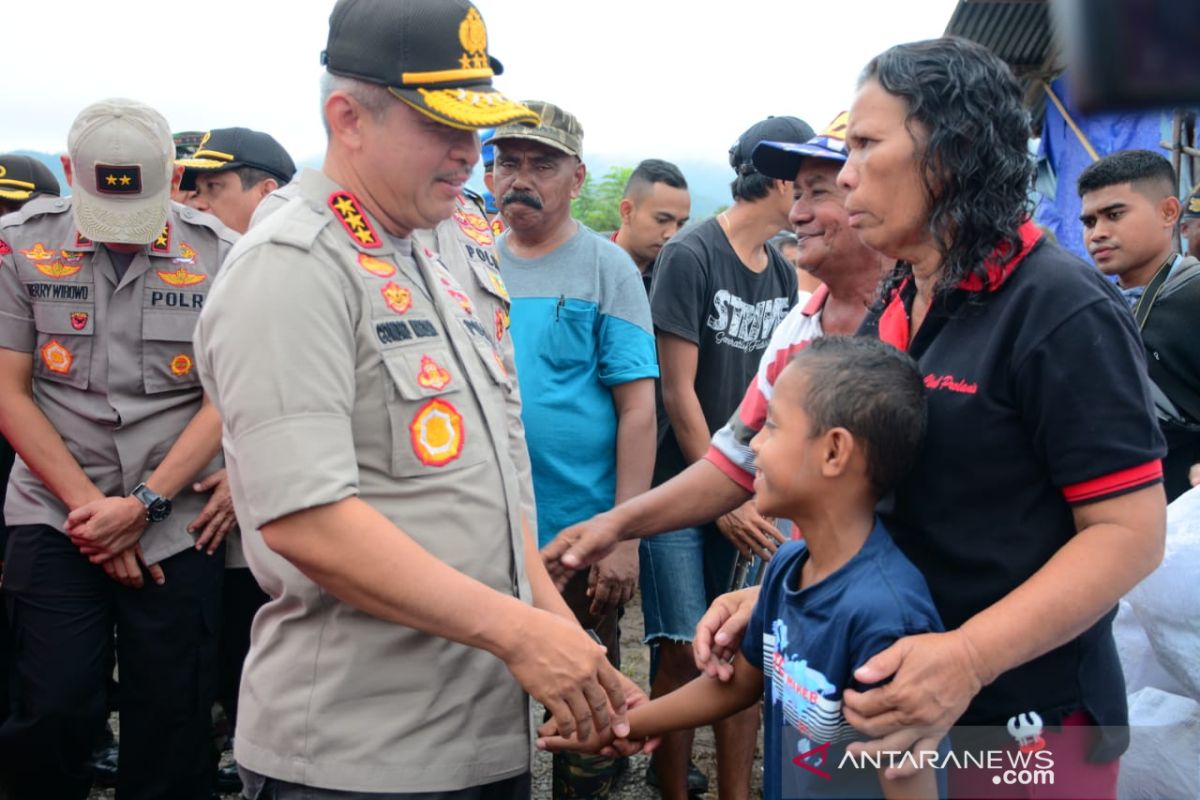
(467, 248)
(113, 365)
(343, 365)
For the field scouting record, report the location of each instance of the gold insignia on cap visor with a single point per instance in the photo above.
(1194, 205)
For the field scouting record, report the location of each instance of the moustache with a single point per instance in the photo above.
(522, 197)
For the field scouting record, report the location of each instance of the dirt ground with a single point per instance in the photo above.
(636, 664)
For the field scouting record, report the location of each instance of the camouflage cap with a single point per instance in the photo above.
(559, 129)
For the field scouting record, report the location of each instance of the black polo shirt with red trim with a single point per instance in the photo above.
(1038, 402)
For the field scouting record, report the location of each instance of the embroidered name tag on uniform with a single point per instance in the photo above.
(56, 357)
(348, 212)
(118, 180)
(437, 433)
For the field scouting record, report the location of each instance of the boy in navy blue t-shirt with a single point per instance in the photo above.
(845, 423)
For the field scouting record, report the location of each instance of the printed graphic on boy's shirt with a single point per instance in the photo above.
(811, 704)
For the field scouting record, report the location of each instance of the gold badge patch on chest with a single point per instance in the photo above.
(376, 266)
(432, 375)
(56, 357)
(181, 277)
(58, 269)
(181, 365)
(437, 433)
(398, 298)
(474, 227)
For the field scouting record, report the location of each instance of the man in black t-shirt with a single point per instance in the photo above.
(718, 294)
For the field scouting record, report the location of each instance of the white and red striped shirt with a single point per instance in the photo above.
(730, 450)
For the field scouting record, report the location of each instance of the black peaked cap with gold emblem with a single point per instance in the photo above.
(432, 54)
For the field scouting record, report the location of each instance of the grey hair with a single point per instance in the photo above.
(374, 98)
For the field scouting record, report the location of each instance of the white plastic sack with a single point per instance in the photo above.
(1163, 760)
(1167, 602)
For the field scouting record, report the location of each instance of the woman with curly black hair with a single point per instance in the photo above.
(1037, 501)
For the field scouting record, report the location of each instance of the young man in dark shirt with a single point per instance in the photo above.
(718, 295)
(1129, 211)
(655, 206)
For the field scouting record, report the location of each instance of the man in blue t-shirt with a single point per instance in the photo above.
(843, 426)
(585, 355)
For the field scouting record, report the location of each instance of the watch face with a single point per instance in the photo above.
(159, 510)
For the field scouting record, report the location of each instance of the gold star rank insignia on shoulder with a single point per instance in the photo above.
(348, 212)
(118, 180)
(162, 244)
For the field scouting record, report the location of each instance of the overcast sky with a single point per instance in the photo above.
(672, 79)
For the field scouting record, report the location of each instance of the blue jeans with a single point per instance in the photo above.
(682, 572)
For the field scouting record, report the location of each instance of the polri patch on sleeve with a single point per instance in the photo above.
(348, 212)
(118, 180)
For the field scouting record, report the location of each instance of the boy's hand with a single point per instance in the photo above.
(549, 739)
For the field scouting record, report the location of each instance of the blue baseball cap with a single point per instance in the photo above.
(782, 159)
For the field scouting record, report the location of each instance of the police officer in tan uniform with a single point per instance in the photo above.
(366, 432)
(100, 397)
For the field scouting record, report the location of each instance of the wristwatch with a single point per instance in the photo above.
(158, 507)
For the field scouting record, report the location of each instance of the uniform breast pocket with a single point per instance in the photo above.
(64, 342)
(168, 361)
(435, 426)
(571, 337)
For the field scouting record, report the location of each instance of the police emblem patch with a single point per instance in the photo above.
(498, 284)
(38, 253)
(475, 227)
(187, 255)
(432, 375)
(398, 298)
(181, 277)
(56, 357)
(57, 269)
(79, 320)
(437, 433)
(501, 324)
(181, 365)
(348, 212)
(376, 266)
(70, 256)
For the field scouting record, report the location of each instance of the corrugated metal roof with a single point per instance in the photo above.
(1021, 33)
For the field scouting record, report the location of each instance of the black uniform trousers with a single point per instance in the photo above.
(62, 610)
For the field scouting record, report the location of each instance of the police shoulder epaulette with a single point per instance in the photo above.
(37, 207)
(476, 199)
(199, 219)
(296, 225)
